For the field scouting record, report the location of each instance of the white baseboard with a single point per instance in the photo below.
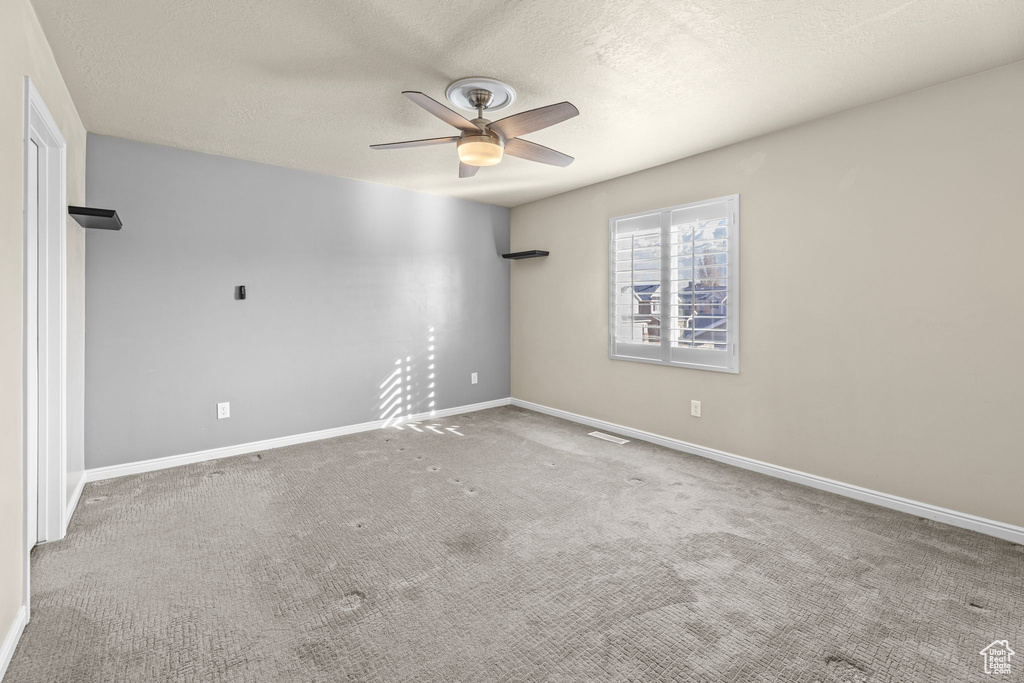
(11, 640)
(990, 527)
(73, 503)
(100, 473)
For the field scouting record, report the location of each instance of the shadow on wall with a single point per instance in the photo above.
(501, 238)
(410, 391)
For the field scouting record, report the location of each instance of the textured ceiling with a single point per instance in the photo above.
(312, 83)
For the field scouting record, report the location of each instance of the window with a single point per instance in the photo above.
(675, 286)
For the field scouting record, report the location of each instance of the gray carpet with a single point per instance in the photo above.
(523, 550)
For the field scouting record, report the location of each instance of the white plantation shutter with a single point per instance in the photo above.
(636, 259)
(675, 286)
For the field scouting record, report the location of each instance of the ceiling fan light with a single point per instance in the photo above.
(480, 150)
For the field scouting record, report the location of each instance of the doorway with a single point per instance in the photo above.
(45, 328)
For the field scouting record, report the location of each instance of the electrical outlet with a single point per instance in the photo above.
(223, 410)
(472, 378)
(695, 408)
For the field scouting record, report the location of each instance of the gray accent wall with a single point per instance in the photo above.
(347, 282)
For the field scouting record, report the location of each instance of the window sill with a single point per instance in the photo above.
(678, 364)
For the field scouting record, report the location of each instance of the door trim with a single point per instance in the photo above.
(45, 289)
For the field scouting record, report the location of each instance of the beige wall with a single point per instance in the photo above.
(882, 299)
(25, 52)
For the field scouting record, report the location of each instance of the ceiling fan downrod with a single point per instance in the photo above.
(481, 99)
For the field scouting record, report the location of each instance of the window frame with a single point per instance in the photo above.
(727, 361)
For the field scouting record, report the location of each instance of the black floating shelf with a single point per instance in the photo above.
(535, 253)
(100, 219)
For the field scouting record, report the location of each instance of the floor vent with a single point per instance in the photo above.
(609, 437)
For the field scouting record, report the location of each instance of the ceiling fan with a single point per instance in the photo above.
(481, 142)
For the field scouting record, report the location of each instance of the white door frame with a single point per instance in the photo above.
(45, 328)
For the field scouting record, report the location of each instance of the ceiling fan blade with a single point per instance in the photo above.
(524, 149)
(533, 120)
(440, 111)
(416, 143)
(467, 171)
